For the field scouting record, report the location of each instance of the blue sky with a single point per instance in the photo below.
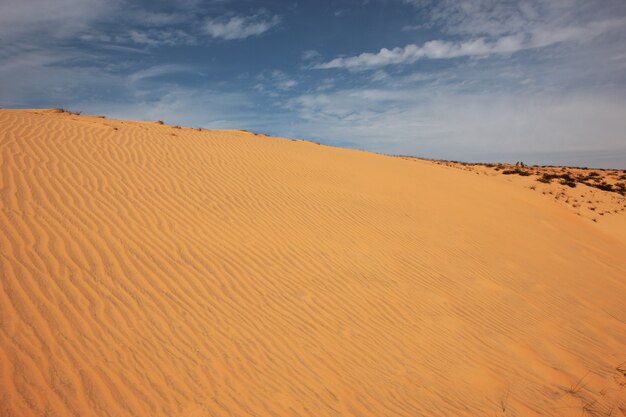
(542, 81)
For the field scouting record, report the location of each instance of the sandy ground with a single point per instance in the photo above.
(149, 270)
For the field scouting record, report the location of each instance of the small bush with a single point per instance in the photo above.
(62, 110)
(516, 171)
(605, 187)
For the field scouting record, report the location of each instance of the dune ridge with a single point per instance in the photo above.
(148, 270)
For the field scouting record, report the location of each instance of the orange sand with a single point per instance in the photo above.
(147, 270)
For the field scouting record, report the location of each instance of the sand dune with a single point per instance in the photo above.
(148, 270)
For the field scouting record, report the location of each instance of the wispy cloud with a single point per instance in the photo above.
(240, 27)
(59, 18)
(443, 123)
(436, 49)
(309, 54)
(180, 105)
(440, 49)
(158, 71)
(496, 18)
(167, 37)
(275, 83)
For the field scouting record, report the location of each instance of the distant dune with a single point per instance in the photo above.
(151, 270)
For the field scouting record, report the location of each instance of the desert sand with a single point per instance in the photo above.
(152, 270)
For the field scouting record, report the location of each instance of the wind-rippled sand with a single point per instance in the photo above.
(148, 270)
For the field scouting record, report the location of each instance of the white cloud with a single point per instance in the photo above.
(274, 83)
(178, 105)
(149, 18)
(439, 49)
(282, 81)
(101, 22)
(40, 76)
(496, 18)
(380, 75)
(158, 71)
(436, 49)
(59, 18)
(165, 37)
(545, 36)
(492, 27)
(286, 84)
(309, 55)
(556, 105)
(37, 79)
(240, 27)
(454, 125)
(142, 38)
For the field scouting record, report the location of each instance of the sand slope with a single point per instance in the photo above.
(147, 270)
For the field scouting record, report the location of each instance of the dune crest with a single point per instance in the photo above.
(149, 270)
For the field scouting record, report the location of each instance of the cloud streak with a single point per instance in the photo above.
(240, 27)
(539, 37)
(436, 49)
(55, 19)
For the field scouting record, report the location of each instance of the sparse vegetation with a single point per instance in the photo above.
(564, 178)
(503, 402)
(517, 171)
(62, 110)
(574, 389)
(603, 186)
